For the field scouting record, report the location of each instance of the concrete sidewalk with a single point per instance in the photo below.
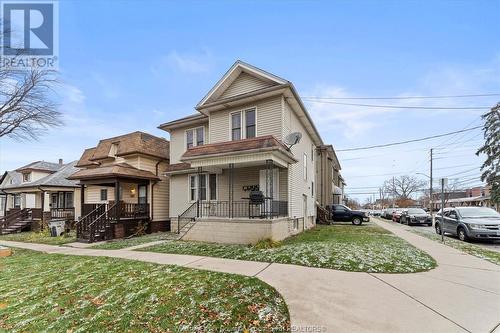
(461, 295)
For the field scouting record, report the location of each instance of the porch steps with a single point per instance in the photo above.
(16, 227)
(185, 229)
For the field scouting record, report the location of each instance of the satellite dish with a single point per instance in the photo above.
(292, 139)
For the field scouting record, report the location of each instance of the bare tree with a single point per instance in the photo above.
(403, 187)
(27, 108)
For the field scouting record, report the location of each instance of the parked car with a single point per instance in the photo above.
(396, 216)
(412, 216)
(377, 213)
(469, 223)
(388, 213)
(341, 213)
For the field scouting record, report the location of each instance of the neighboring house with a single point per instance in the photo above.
(234, 146)
(40, 188)
(329, 190)
(130, 167)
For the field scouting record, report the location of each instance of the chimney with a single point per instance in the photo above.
(60, 161)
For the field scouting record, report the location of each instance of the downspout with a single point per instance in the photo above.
(152, 189)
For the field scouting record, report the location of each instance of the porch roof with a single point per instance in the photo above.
(118, 170)
(259, 148)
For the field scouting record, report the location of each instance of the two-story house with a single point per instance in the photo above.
(234, 147)
(37, 192)
(123, 187)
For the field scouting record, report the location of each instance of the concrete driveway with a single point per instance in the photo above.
(461, 295)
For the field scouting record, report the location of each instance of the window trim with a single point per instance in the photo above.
(243, 125)
(195, 136)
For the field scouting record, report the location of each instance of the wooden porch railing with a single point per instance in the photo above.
(20, 215)
(62, 213)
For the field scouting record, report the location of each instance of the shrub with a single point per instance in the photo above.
(267, 243)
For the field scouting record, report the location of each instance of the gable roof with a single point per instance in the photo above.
(232, 74)
(41, 166)
(131, 143)
(56, 179)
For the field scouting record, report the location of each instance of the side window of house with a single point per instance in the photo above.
(195, 137)
(104, 194)
(69, 200)
(312, 189)
(189, 139)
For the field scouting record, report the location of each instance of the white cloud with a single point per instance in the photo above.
(184, 62)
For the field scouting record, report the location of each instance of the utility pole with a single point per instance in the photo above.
(430, 192)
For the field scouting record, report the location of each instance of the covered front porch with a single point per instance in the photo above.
(115, 202)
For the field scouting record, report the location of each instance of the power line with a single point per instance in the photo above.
(408, 97)
(402, 106)
(410, 141)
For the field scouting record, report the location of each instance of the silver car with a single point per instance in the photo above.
(469, 223)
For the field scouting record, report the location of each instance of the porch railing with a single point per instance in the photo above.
(62, 213)
(243, 209)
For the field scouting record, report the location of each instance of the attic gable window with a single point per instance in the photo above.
(113, 150)
(26, 177)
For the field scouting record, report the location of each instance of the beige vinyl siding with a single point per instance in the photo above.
(93, 194)
(244, 83)
(269, 115)
(180, 201)
(298, 186)
(161, 188)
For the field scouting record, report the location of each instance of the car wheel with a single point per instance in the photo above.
(438, 229)
(462, 234)
(357, 221)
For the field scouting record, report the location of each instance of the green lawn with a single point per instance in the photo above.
(123, 243)
(42, 237)
(366, 248)
(469, 248)
(59, 293)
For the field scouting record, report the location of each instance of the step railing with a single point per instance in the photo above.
(189, 215)
(22, 214)
(82, 225)
(102, 224)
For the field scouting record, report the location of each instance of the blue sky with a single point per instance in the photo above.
(129, 66)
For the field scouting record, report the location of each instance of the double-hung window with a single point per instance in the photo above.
(236, 126)
(203, 187)
(195, 137)
(250, 123)
(243, 124)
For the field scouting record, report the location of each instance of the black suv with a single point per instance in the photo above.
(341, 213)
